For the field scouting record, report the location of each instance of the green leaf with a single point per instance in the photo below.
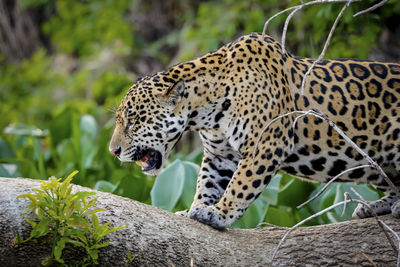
(110, 230)
(189, 186)
(67, 153)
(270, 194)
(95, 221)
(32, 223)
(59, 248)
(88, 151)
(88, 126)
(93, 253)
(295, 192)
(6, 150)
(84, 194)
(27, 130)
(102, 245)
(104, 186)
(60, 126)
(91, 212)
(41, 228)
(168, 186)
(195, 157)
(280, 216)
(254, 215)
(75, 242)
(3, 171)
(79, 222)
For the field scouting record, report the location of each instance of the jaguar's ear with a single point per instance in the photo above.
(173, 95)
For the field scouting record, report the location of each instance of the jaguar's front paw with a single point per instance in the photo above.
(184, 213)
(362, 212)
(209, 215)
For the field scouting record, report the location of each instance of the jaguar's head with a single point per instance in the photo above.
(149, 122)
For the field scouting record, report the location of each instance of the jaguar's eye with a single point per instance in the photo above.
(129, 125)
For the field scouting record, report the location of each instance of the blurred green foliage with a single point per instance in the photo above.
(56, 104)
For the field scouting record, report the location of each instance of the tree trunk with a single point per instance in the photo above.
(160, 238)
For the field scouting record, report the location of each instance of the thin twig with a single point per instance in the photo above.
(170, 263)
(368, 258)
(358, 195)
(330, 182)
(398, 240)
(271, 225)
(299, 117)
(304, 221)
(286, 27)
(302, 5)
(191, 258)
(325, 45)
(381, 3)
(346, 197)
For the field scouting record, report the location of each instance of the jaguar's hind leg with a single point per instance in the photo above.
(381, 206)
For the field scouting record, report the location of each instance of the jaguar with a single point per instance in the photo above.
(236, 98)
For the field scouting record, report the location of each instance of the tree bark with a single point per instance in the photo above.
(160, 238)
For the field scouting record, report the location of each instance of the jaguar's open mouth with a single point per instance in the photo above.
(149, 159)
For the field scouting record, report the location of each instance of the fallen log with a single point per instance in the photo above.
(160, 238)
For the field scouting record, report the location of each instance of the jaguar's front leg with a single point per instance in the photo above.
(245, 186)
(214, 176)
(248, 181)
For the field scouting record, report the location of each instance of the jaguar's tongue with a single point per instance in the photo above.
(143, 161)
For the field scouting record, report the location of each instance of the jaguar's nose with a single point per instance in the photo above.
(116, 152)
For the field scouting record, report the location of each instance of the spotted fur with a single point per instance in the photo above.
(230, 95)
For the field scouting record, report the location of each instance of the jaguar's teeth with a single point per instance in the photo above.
(152, 153)
(142, 164)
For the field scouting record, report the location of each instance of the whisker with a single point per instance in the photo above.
(112, 109)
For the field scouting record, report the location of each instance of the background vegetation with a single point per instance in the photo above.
(61, 79)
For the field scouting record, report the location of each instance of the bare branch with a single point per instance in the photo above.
(346, 197)
(191, 258)
(358, 195)
(304, 221)
(286, 27)
(299, 117)
(398, 240)
(381, 3)
(330, 182)
(271, 225)
(368, 258)
(325, 46)
(301, 6)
